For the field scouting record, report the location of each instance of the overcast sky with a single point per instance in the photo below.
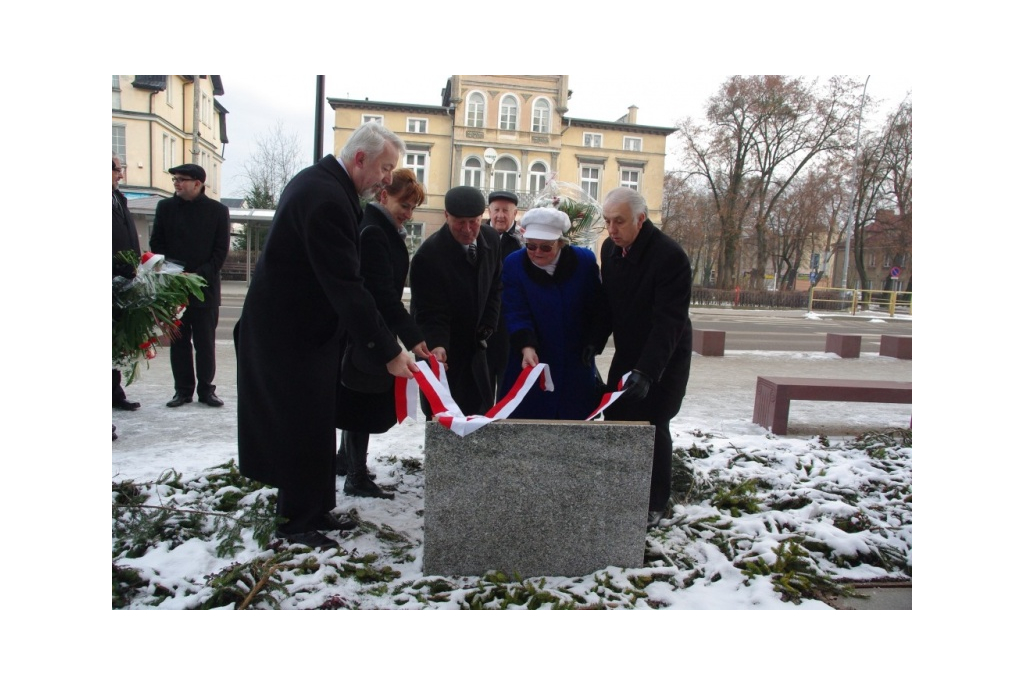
(255, 100)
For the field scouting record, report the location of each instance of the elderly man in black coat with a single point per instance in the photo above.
(646, 278)
(502, 206)
(125, 239)
(305, 295)
(455, 279)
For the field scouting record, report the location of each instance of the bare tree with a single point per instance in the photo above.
(273, 162)
(762, 132)
(688, 217)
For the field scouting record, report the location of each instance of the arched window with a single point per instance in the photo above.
(509, 113)
(506, 172)
(475, 110)
(538, 177)
(473, 172)
(541, 116)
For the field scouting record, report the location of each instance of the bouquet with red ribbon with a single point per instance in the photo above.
(147, 307)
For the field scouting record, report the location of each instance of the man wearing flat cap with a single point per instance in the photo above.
(455, 279)
(193, 230)
(502, 206)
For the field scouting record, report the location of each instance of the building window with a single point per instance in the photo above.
(590, 180)
(475, 110)
(472, 172)
(415, 125)
(168, 152)
(538, 177)
(213, 179)
(417, 163)
(373, 117)
(204, 112)
(632, 144)
(871, 260)
(115, 87)
(118, 143)
(541, 116)
(591, 140)
(506, 172)
(413, 235)
(630, 178)
(509, 113)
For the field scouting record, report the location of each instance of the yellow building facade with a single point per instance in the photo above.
(155, 127)
(512, 133)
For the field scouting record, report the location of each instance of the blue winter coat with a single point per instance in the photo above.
(554, 315)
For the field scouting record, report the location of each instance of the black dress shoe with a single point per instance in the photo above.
(125, 405)
(310, 538)
(341, 522)
(179, 400)
(212, 400)
(362, 486)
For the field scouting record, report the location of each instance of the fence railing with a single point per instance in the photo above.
(840, 299)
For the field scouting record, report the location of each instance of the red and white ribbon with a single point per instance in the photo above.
(610, 397)
(433, 381)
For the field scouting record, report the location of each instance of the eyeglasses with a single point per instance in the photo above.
(543, 248)
(180, 179)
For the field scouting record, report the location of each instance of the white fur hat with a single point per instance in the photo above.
(544, 223)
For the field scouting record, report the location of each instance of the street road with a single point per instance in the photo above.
(778, 330)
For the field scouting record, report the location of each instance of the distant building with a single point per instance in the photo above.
(153, 130)
(512, 133)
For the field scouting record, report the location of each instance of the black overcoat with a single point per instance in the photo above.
(305, 294)
(648, 293)
(451, 301)
(498, 344)
(196, 234)
(384, 265)
(125, 236)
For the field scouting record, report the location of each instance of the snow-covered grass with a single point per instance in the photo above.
(760, 522)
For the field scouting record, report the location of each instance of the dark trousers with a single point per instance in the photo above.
(304, 507)
(661, 469)
(118, 390)
(198, 329)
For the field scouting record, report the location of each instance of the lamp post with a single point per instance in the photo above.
(853, 186)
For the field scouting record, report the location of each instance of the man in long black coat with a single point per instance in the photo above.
(455, 279)
(646, 278)
(194, 230)
(305, 294)
(502, 206)
(125, 239)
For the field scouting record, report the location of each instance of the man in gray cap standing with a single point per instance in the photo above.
(502, 206)
(455, 279)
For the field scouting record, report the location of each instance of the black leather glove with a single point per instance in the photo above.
(588, 355)
(636, 387)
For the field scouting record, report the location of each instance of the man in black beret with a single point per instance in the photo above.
(502, 206)
(193, 230)
(455, 279)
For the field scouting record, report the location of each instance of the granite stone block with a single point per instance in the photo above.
(536, 498)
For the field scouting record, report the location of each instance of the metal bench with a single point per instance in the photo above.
(774, 393)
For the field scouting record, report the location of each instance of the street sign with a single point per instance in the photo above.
(895, 273)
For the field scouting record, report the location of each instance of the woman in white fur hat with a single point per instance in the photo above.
(551, 296)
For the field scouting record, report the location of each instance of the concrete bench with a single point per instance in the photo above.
(898, 346)
(846, 346)
(709, 343)
(774, 393)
